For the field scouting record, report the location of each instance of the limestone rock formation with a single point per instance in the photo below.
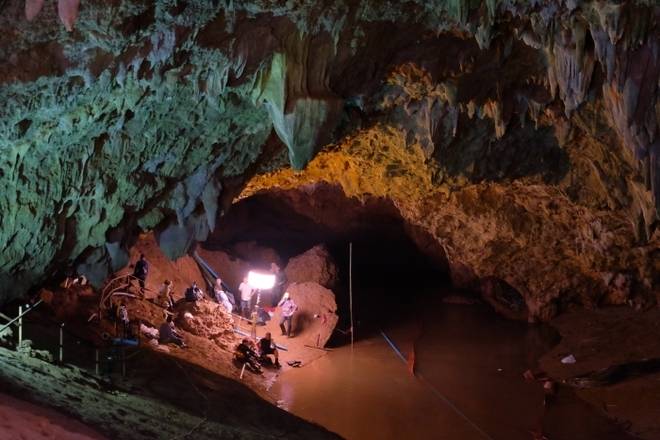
(521, 136)
(316, 265)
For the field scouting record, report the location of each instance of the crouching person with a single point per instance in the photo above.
(245, 354)
(168, 334)
(267, 347)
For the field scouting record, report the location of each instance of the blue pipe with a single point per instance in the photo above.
(210, 270)
(122, 341)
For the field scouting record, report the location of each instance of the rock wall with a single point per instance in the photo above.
(530, 127)
(315, 265)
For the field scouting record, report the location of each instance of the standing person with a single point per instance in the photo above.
(220, 295)
(125, 322)
(141, 270)
(246, 296)
(288, 309)
(165, 297)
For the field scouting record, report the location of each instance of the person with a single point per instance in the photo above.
(245, 354)
(267, 347)
(220, 295)
(141, 270)
(280, 283)
(246, 296)
(193, 293)
(122, 314)
(167, 333)
(288, 309)
(165, 297)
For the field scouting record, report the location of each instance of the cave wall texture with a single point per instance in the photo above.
(523, 135)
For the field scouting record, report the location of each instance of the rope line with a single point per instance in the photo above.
(206, 404)
(437, 393)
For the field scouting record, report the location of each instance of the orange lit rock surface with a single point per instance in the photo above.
(315, 265)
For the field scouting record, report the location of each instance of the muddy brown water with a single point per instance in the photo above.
(469, 383)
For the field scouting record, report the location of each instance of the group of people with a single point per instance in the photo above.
(255, 356)
(249, 308)
(286, 304)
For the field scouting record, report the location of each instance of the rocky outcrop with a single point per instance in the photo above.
(532, 238)
(316, 265)
(169, 386)
(208, 320)
(503, 117)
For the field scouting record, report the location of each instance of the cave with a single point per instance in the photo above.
(445, 214)
(392, 265)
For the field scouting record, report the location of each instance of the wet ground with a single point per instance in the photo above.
(468, 384)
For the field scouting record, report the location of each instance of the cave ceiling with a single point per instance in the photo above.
(522, 134)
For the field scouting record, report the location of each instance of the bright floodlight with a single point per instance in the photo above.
(261, 280)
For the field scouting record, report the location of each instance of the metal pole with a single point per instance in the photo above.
(96, 361)
(20, 325)
(61, 343)
(350, 288)
(18, 318)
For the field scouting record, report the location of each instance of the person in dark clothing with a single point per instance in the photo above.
(168, 334)
(193, 293)
(245, 354)
(267, 347)
(141, 270)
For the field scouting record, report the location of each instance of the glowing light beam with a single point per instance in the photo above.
(261, 280)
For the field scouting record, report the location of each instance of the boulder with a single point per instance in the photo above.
(316, 317)
(316, 266)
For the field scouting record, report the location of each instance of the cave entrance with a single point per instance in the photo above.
(391, 274)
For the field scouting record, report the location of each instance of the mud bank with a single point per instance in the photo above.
(600, 339)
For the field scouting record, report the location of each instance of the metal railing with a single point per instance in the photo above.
(18, 320)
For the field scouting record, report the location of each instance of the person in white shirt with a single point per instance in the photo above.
(288, 308)
(221, 296)
(165, 298)
(246, 296)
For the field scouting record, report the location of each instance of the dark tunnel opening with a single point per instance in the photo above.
(390, 273)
